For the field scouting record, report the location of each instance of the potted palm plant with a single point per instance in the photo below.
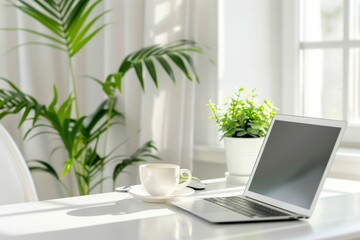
(69, 27)
(243, 124)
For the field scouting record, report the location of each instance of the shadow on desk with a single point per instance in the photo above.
(156, 220)
(125, 206)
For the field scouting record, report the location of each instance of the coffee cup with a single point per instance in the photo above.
(162, 179)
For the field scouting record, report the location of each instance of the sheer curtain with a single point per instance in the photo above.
(165, 115)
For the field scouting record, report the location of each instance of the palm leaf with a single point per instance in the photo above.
(43, 166)
(98, 183)
(139, 72)
(140, 155)
(99, 114)
(67, 167)
(180, 63)
(48, 22)
(68, 21)
(173, 54)
(152, 71)
(13, 101)
(191, 64)
(54, 46)
(80, 33)
(166, 67)
(49, 37)
(48, 8)
(77, 46)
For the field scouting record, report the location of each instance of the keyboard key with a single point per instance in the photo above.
(243, 206)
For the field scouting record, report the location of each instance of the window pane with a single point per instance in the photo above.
(354, 19)
(323, 83)
(354, 95)
(322, 20)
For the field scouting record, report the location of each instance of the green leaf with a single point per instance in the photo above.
(40, 17)
(139, 74)
(69, 20)
(79, 46)
(82, 32)
(151, 68)
(191, 64)
(45, 167)
(166, 67)
(176, 51)
(24, 116)
(64, 111)
(54, 39)
(67, 167)
(121, 166)
(242, 116)
(139, 155)
(180, 63)
(74, 14)
(56, 47)
(125, 66)
(67, 6)
(75, 28)
(13, 101)
(55, 99)
(47, 9)
(118, 79)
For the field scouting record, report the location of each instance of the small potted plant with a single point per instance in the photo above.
(243, 124)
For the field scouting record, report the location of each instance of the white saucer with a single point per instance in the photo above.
(139, 192)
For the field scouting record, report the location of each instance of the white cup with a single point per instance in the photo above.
(162, 179)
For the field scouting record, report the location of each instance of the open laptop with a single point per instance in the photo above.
(287, 177)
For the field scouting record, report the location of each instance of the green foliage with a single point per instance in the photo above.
(69, 28)
(79, 136)
(242, 116)
(151, 58)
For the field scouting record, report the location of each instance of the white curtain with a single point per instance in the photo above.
(165, 115)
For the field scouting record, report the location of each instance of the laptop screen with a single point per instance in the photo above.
(293, 162)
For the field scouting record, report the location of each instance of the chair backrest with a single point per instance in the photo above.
(16, 183)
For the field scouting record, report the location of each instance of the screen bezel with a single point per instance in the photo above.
(306, 120)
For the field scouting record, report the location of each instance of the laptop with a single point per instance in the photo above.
(287, 177)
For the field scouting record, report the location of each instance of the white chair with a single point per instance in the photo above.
(16, 183)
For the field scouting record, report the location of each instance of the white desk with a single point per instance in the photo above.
(119, 216)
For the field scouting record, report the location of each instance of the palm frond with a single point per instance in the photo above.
(14, 100)
(43, 166)
(140, 155)
(69, 22)
(176, 54)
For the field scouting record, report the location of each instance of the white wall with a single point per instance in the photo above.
(249, 46)
(249, 55)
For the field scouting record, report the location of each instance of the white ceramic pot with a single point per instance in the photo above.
(241, 154)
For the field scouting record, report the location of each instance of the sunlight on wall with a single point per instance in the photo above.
(159, 121)
(162, 10)
(177, 28)
(161, 37)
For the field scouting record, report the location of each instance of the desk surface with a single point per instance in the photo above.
(119, 216)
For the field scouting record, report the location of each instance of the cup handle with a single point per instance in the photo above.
(188, 181)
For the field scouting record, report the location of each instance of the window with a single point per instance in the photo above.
(328, 61)
(303, 54)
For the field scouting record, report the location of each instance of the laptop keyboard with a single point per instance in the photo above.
(248, 208)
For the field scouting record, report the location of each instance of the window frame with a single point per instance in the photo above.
(292, 83)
